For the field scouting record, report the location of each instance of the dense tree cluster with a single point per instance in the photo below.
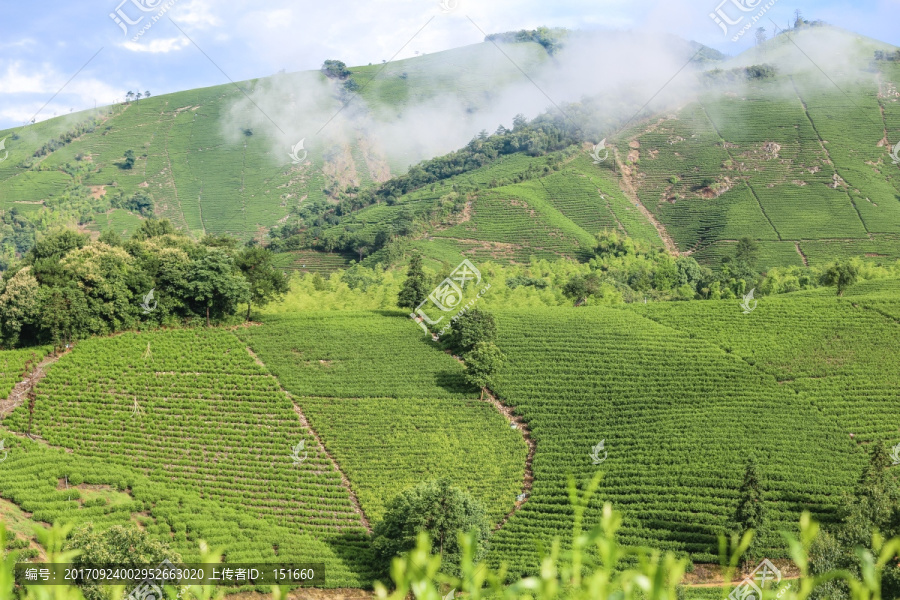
(138, 202)
(437, 508)
(763, 71)
(873, 506)
(67, 137)
(551, 39)
(335, 69)
(623, 267)
(16, 235)
(68, 287)
(471, 328)
(328, 227)
(124, 547)
(881, 55)
(840, 276)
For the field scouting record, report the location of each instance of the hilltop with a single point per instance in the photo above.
(788, 143)
(769, 147)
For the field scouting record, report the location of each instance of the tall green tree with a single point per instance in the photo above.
(841, 276)
(470, 328)
(123, 546)
(103, 274)
(415, 288)
(55, 244)
(438, 508)
(611, 244)
(215, 286)
(153, 228)
(483, 363)
(751, 510)
(18, 308)
(65, 315)
(265, 281)
(335, 69)
(580, 288)
(873, 506)
(761, 36)
(746, 255)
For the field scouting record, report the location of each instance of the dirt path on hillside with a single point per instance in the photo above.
(305, 423)
(353, 499)
(803, 256)
(513, 419)
(19, 392)
(627, 187)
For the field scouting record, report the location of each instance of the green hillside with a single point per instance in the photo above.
(212, 163)
(799, 161)
(796, 158)
(177, 428)
(393, 410)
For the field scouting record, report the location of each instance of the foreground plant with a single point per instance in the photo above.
(597, 567)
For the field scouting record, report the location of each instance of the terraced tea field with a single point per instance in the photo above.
(310, 261)
(391, 408)
(52, 485)
(789, 161)
(13, 366)
(553, 216)
(213, 163)
(177, 428)
(680, 417)
(193, 412)
(838, 355)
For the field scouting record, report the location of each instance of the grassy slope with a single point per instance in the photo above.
(553, 216)
(205, 183)
(785, 197)
(12, 366)
(801, 163)
(34, 479)
(681, 393)
(840, 353)
(203, 180)
(680, 417)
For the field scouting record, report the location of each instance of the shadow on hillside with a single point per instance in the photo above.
(355, 550)
(584, 255)
(453, 382)
(397, 312)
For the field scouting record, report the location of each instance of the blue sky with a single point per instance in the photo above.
(43, 45)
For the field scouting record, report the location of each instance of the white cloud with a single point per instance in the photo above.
(158, 46)
(197, 15)
(21, 80)
(25, 88)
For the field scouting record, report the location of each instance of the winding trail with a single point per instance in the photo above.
(513, 419)
(627, 187)
(507, 411)
(802, 256)
(17, 396)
